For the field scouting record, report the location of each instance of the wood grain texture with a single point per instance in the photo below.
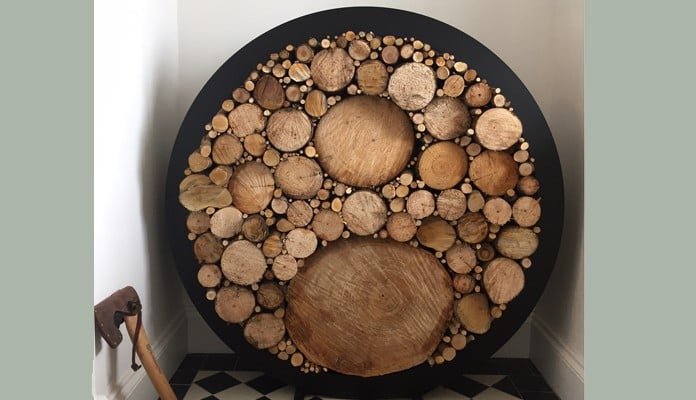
(503, 279)
(201, 197)
(369, 307)
(327, 225)
(473, 312)
(246, 119)
(443, 165)
(412, 86)
(226, 222)
(498, 129)
(364, 213)
(264, 330)
(227, 149)
(516, 242)
(299, 177)
(494, 172)
(436, 233)
(243, 263)
(372, 77)
(252, 187)
(364, 141)
(332, 69)
(451, 204)
(269, 93)
(446, 118)
(401, 226)
(234, 303)
(289, 129)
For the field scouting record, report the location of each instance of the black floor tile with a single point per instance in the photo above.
(534, 369)
(183, 376)
(512, 366)
(265, 384)
(217, 382)
(539, 396)
(193, 361)
(507, 386)
(466, 386)
(530, 383)
(180, 390)
(210, 398)
(249, 364)
(219, 362)
(488, 367)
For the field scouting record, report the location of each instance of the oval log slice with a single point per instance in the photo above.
(494, 172)
(299, 177)
(447, 118)
(289, 129)
(264, 330)
(503, 279)
(516, 242)
(443, 165)
(243, 263)
(332, 69)
(252, 187)
(364, 213)
(412, 86)
(234, 303)
(498, 129)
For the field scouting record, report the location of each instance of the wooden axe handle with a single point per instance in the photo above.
(147, 358)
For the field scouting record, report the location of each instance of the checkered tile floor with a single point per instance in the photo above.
(227, 377)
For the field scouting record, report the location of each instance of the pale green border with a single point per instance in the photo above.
(47, 190)
(640, 172)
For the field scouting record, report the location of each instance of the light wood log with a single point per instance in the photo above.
(246, 119)
(284, 267)
(241, 95)
(316, 104)
(300, 213)
(516, 243)
(299, 72)
(226, 222)
(458, 342)
(476, 201)
(209, 275)
(446, 118)
(264, 330)
(372, 77)
(472, 228)
(461, 258)
(392, 332)
(451, 204)
(198, 163)
(436, 233)
(201, 197)
(364, 141)
(283, 225)
(304, 53)
(442, 165)
(289, 129)
(221, 175)
(473, 312)
(526, 211)
(279, 205)
(528, 185)
(503, 280)
(420, 204)
(255, 144)
(454, 86)
(299, 177)
(243, 263)
(227, 149)
(478, 95)
(301, 243)
(296, 360)
(293, 93)
(254, 228)
(327, 225)
(271, 157)
(498, 129)
(412, 86)
(198, 222)
(494, 172)
(463, 283)
(485, 253)
(364, 213)
(192, 181)
(272, 246)
(268, 93)
(332, 69)
(252, 187)
(390, 54)
(359, 49)
(220, 122)
(497, 211)
(270, 296)
(526, 169)
(449, 353)
(234, 304)
(401, 226)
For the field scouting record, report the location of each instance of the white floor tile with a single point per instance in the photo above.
(441, 393)
(284, 393)
(196, 392)
(239, 392)
(494, 394)
(204, 374)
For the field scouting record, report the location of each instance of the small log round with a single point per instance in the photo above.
(255, 229)
(246, 119)
(197, 162)
(201, 197)
(198, 222)
(221, 175)
(497, 211)
(270, 296)
(227, 149)
(316, 104)
(279, 205)
(226, 222)
(463, 283)
(412, 86)
(272, 246)
(268, 93)
(243, 263)
(255, 144)
(473, 312)
(476, 201)
(234, 304)
(207, 249)
(498, 129)
(297, 359)
(332, 69)
(494, 172)
(528, 185)
(526, 211)
(327, 225)
(454, 86)
(359, 49)
(503, 280)
(458, 341)
(443, 165)
(300, 213)
(304, 53)
(372, 77)
(299, 72)
(446, 118)
(461, 258)
(390, 54)
(485, 253)
(252, 187)
(472, 228)
(516, 243)
(420, 204)
(241, 95)
(451, 204)
(289, 129)
(220, 122)
(301, 243)
(264, 330)
(478, 95)
(192, 181)
(401, 226)
(284, 267)
(299, 177)
(436, 233)
(364, 213)
(209, 275)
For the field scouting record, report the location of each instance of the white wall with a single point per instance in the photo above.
(135, 123)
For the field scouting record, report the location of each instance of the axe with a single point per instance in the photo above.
(124, 306)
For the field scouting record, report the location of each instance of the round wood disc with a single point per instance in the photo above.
(494, 172)
(503, 279)
(332, 69)
(252, 187)
(443, 165)
(289, 129)
(299, 177)
(264, 330)
(446, 118)
(364, 213)
(412, 86)
(243, 263)
(234, 304)
(498, 129)
(339, 319)
(364, 141)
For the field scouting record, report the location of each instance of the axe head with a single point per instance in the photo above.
(108, 314)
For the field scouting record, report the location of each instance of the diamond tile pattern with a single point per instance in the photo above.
(227, 376)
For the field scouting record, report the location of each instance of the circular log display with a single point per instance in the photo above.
(364, 205)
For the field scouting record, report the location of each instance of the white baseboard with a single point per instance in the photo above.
(561, 368)
(169, 350)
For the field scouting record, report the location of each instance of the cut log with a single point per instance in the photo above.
(412, 86)
(503, 280)
(526, 169)
(226, 222)
(454, 86)
(304, 53)
(478, 95)
(198, 163)
(299, 72)
(241, 95)
(316, 103)
(494, 172)
(528, 185)
(220, 122)
(485, 253)
(390, 54)
(526, 211)
(246, 119)
(279, 205)
(364, 213)
(463, 283)
(289, 129)
(283, 225)
(300, 213)
(192, 181)
(401, 226)
(449, 353)
(198, 222)
(458, 342)
(234, 304)
(271, 157)
(364, 141)
(243, 263)
(332, 69)
(268, 93)
(327, 225)
(270, 296)
(451, 204)
(227, 149)
(446, 118)
(372, 77)
(420, 204)
(300, 243)
(516, 243)
(284, 267)
(299, 177)
(254, 228)
(473, 312)
(201, 197)
(296, 360)
(359, 49)
(255, 144)
(272, 246)
(436, 233)
(472, 228)
(221, 175)
(497, 211)
(264, 330)
(498, 129)
(293, 93)
(461, 258)
(442, 165)
(476, 201)
(252, 187)
(209, 275)
(334, 293)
